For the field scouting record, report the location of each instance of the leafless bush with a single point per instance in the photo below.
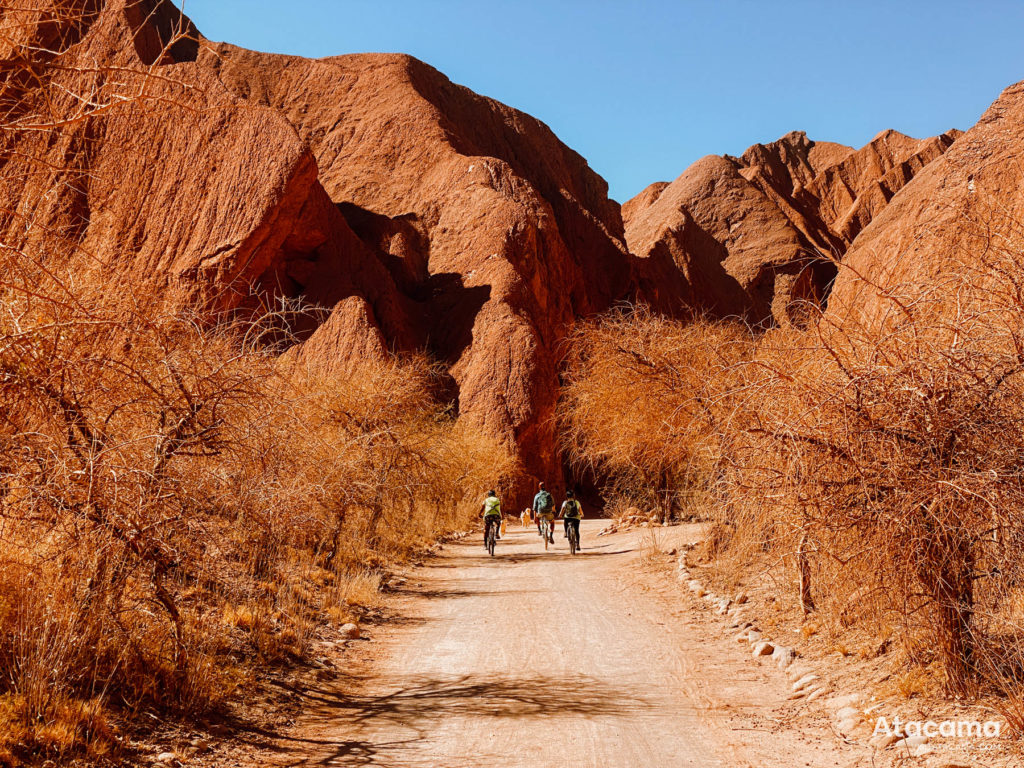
(170, 493)
(642, 402)
(880, 461)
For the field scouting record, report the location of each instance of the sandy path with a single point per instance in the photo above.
(537, 658)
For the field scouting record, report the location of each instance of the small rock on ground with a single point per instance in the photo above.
(804, 681)
(849, 701)
(849, 725)
(815, 693)
(884, 740)
(797, 671)
(847, 712)
(763, 648)
(783, 656)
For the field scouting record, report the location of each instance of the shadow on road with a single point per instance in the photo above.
(403, 718)
(515, 556)
(439, 592)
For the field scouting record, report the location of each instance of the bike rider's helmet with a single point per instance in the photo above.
(569, 494)
(491, 493)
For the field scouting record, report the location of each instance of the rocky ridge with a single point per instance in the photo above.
(961, 210)
(755, 236)
(416, 213)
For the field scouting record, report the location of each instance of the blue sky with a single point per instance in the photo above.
(643, 88)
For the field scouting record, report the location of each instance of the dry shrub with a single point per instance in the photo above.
(358, 588)
(651, 550)
(878, 463)
(179, 502)
(173, 496)
(641, 403)
(891, 454)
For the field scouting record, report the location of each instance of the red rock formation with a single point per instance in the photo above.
(499, 232)
(421, 214)
(854, 190)
(749, 236)
(645, 199)
(178, 185)
(416, 212)
(965, 206)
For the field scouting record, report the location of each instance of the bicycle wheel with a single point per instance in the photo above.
(574, 541)
(490, 540)
(546, 532)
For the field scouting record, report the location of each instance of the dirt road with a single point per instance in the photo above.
(538, 658)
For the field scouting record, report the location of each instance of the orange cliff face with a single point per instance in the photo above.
(753, 236)
(418, 213)
(496, 234)
(170, 180)
(961, 212)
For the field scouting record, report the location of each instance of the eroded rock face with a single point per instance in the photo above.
(498, 233)
(418, 213)
(755, 236)
(961, 210)
(179, 186)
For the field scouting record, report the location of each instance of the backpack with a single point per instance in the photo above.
(572, 508)
(545, 500)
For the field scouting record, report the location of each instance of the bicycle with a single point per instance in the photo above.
(545, 531)
(492, 537)
(574, 539)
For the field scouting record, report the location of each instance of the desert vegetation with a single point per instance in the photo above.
(179, 502)
(182, 500)
(186, 499)
(872, 462)
(642, 402)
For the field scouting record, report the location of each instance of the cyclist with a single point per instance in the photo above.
(491, 510)
(572, 513)
(544, 507)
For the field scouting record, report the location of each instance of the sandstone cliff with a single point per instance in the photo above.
(754, 236)
(498, 234)
(418, 213)
(961, 211)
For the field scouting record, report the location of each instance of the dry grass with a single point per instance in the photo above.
(651, 549)
(639, 404)
(358, 588)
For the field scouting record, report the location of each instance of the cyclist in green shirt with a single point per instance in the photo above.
(491, 510)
